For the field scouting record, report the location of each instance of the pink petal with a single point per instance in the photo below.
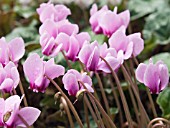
(125, 17)
(63, 39)
(109, 22)
(151, 78)
(7, 85)
(138, 43)
(4, 58)
(17, 49)
(82, 37)
(118, 40)
(12, 104)
(52, 70)
(93, 60)
(2, 107)
(61, 12)
(164, 75)
(140, 71)
(70, 84)
(84, 53)
(66, 27)
(128, 51)
(112, 61)
(73, 48)
(49, 26)
(93, 9)
(33, 67)
(29, 114)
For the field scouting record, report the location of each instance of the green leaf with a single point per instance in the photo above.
(162, 56)
(28, 33)
(157, 26)
(140, 8)
(164, 104)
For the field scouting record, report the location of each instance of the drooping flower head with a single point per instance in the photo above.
(106, 21)
(154, 76)
(11, 51)
(9, 77)
(38, 70)
(71, 82)
(89, 55)
(10, 112)
(130, 45)
(55, 13)
(49, 32)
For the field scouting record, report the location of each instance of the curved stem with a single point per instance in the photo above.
(67, 111)
(117, 101)
(103, 93)
(97, 112)
(125, 105)
(99, 106)
(158, 119)
(91, 110)
(68, 101)
(135, 92)
(86, 115)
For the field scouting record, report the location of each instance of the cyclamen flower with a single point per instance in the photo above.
(106, 21)
(38, 70)
(49, 31)
(55, 13)
(130, 45)
(10, 112)
(11, 51)
(71, 82)
(9, 77)
(154, 76)
(113, 58)
(90, 55)
(72, 44)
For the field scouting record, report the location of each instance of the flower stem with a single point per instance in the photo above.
(125, 105)
(135, 92)
(23, 93)
(99, 106)
(67, 61)
(86, 115)
(91, 110)
(63, 101)
(68, 101)
(103, 93)
(117, 101)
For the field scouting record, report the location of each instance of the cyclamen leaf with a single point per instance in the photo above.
(163, 102)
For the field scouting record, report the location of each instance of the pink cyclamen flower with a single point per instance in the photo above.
(9, 77)
(11, 51)
(10, 112)
(130, 45)
(49, 32)
(72, 44)
(55, 13)
(113, 58)
(90, 55)
(38, 70)
(154, 76)
(71, 82)
(106, 21)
